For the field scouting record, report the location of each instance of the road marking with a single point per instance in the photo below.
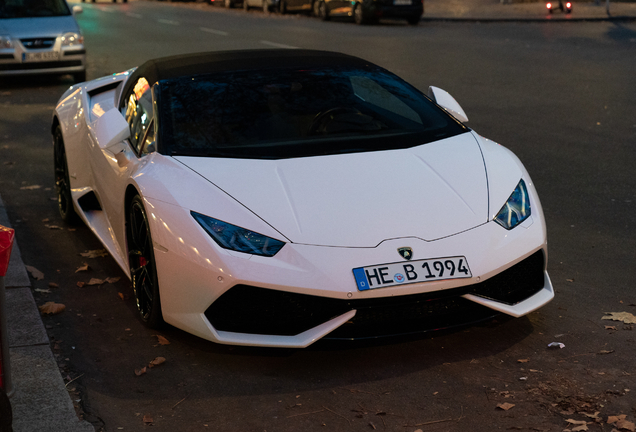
(277, 45)
(134, 15)
(216, 32)
(165, 21)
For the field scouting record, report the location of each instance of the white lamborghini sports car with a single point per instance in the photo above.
(276, 197)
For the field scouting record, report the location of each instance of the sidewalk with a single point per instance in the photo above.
(495, 10)
(40, 401)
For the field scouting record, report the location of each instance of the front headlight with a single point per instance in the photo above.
(5, 42)
(516, 209)
(72, 39)
(236, 238)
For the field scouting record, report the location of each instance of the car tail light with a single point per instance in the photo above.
(549, 5)
(568, 5)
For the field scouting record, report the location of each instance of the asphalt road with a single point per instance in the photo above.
(560, 95)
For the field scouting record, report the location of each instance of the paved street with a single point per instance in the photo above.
(559, 94)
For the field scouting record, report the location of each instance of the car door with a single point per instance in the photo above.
(114, 171)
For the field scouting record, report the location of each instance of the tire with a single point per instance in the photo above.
(229, 4)
(62, 180)
(414, 20)
(246, 7)
(141, 260)
(79, 77)
(265, 6)
(282, 8)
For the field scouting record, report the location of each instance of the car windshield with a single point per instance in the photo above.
(33, 8)
(276, 114)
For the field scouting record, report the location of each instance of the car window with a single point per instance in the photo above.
(148, 145)
(274, 114)
(139, 112)
(33, 8)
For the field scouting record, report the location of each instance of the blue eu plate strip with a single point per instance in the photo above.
(361, 279)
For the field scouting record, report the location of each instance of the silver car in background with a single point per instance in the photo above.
(41, 37)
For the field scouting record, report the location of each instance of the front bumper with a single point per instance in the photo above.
(71, 59)
(305, 292)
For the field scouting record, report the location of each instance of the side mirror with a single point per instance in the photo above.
(110, 130)
(446, 101)
(77, 10)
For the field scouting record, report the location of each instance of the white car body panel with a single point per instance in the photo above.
(355, 217)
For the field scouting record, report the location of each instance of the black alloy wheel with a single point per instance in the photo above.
(62, 180)
(141, 260)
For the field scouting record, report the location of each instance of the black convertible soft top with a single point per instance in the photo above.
(222, 61)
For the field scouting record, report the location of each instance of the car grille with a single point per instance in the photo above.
(38, 43)
(40, 65)
(248, 309)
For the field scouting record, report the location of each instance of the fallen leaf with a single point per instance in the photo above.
(605, 352)
(156, 362)
(112, 280)
(32, 187)
(523, 360)
(576, 422)
(53, 227)
(626, 317)
(35, 273)
(121, 295)
(625, 425)
(95, 281)
(83, 267)
(614, 419)
(45, 220)
(51, 308)
(45, 291)
(162, 340)
(610, 328)
(579, 428)
(505, 406)
(81, 284)
(140, 372)
(95, 253)
(53, 285)
(568, 412)
(148, 419)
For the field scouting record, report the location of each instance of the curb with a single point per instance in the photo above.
(40, 401)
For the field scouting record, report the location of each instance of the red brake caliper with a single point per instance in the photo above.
(142, 261)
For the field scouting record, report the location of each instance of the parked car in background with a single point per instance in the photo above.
(370, 11)
(41, 37)
(285, 6)
(266, 5)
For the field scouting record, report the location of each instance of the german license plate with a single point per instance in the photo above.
(386, 275)
(40, 56)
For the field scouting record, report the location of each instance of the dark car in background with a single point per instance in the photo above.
(370, 11)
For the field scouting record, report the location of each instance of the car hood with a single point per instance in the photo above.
(359, 200)
(38, 27)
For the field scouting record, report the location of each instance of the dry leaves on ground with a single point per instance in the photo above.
(37, 274)
(626, 317)
(83, 267)
(505, 406)
(94, 253)
(51, 308)
(32, 187)
(621, 423)
(148, 419)
(155, 362)
(96, 281)
(162, 340)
